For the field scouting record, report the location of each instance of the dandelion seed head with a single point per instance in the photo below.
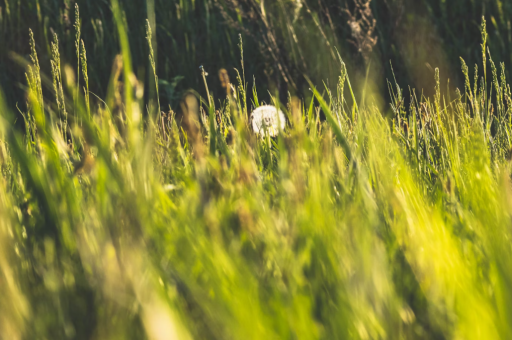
(268, 119)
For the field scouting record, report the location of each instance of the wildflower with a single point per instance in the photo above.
(267, 119)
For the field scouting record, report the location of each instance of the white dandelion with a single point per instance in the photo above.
(268, 119)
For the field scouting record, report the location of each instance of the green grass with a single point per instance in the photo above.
(121, 222)
(293, 38)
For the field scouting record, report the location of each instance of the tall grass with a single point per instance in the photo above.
(115, 223)
(284, 40)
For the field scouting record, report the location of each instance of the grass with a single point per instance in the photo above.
(119, 221)
(284, 40)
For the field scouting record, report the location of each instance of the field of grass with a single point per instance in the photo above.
(131, 215)
(284, 40)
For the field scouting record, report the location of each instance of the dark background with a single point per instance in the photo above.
(283, 40)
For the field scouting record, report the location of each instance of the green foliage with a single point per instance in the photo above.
(284, 40)
(120, 225)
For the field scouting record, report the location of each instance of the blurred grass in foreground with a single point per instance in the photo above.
(118, 221)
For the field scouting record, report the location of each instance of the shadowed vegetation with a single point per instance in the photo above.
(284, 40)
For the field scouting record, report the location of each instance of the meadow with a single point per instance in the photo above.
(131, 209)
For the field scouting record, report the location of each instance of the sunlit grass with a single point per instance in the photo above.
(120, 221)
